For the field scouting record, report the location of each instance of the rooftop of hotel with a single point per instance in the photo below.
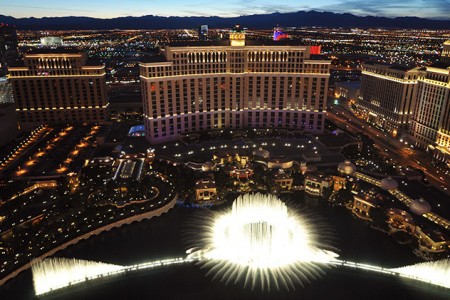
(390, 66)
(153, 59)
(58, 50)
(248, 42)
(440, 65)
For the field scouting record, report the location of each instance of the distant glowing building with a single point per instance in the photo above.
(8, 121)
(51, 41)
(278, 34)
(445, 55)
(387, 95)
(233, 84)
(203, 32)
(58, 87)
(349, 91)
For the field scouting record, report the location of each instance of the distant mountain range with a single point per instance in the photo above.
(266, 21)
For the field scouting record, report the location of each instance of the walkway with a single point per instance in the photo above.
(406, 200)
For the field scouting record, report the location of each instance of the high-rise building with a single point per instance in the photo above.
(8, 47)
(445, 55)
(387, 95)
(430, 126)
(233, 84)
(203, 32)
(58, 87)
(8, 121)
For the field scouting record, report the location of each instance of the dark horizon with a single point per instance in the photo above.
(256, 21)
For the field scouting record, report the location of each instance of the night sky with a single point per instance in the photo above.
(434, 9)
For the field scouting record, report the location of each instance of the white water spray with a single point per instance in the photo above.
(56, 273)
(259, 242)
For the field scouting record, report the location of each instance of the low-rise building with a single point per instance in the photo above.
(237, 173)
(280, 163)
(284, 181)
(222, 157)
(400, 220)
(318, 185)
(205, 190)
(363, 204)
(432, 240)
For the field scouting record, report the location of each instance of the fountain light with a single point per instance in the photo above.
(259, 243)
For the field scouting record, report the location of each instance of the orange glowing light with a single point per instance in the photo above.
(61, 170)
(21, 172)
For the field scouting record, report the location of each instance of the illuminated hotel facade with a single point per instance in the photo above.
(58, 87)
(234, 84)
(387, 95)
(413, 100)
(445, 55)
(430, 126)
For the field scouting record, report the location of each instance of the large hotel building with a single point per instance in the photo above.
(414, 100)
(445, 55)
(430, 126)
(58, 87)
(387, 95)
(232, 84)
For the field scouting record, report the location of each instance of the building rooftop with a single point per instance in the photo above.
(227, 43)
(420, 206)
(390, 66)
(205, 184)
(436, 235)
(440, 65)
(59, 50)
(367, 198)
(282, 176)
(153, 59)
(280, 159)
(318, 177)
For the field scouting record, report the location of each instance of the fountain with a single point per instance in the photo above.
(257, 242)
(56, 273)
(434, 272)
(260, 242)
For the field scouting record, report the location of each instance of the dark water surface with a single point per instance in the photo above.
(164, 237)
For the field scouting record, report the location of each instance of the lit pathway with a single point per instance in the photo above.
(405, 200)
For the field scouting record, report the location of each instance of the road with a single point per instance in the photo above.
(396, 150)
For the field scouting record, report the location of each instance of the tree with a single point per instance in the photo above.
(379, 218)
(343, 196)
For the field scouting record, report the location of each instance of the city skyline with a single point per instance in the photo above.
(436, 9)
